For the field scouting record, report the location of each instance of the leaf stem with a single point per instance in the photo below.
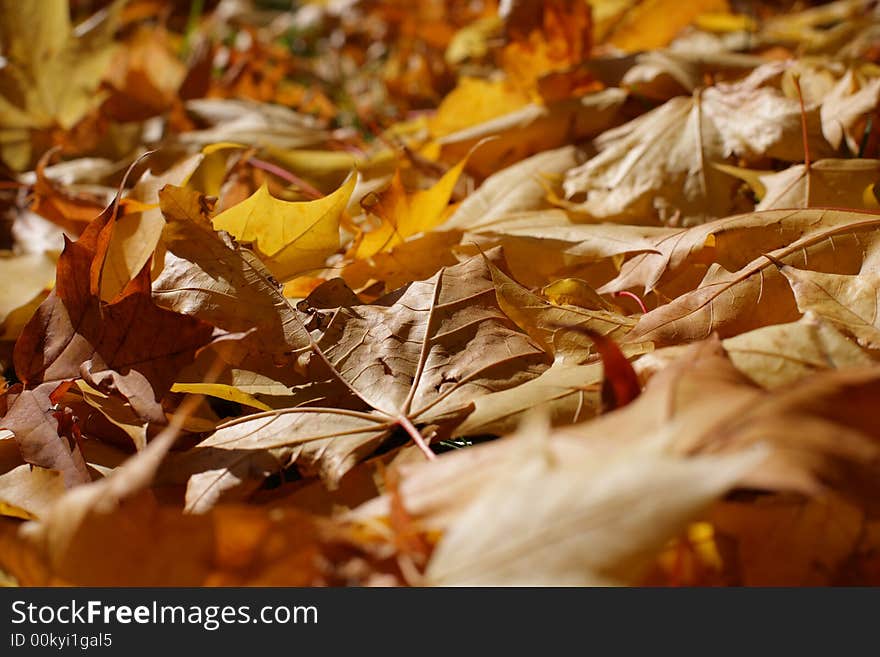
(635, 297)
(417, 437)
(287, 176)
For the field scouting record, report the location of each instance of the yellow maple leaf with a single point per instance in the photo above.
(290, 237)
(653, 23)
(404, 215)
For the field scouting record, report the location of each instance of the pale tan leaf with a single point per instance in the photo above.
(592, 520)
(657, 166)
(850, 302)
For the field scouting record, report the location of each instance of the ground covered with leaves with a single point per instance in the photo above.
(426, 292)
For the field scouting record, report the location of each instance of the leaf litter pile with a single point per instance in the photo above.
(440, 292)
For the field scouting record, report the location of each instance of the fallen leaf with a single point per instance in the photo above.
(654, 23)
(850, 302)
(403, 215)
(827, 183)
(24, 278)
(658, 165)
(528, 130)
(778, 355)
(572, 531)
(560, 330)
(757, 294)
(136, 236)
(131, 342)
(419, 367)
(290, 237)
(676, 261)
(51, 75)
(253, 124)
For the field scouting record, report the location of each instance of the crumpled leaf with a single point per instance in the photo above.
(658, 165)
(845, 106)
(36, 429)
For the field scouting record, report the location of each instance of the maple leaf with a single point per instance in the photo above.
(571, 491)
(130, 341)
(547, 38)
(730, 302)
(136, 235)
(647, 25)
(251, 123)
(658, 164)
(205, 275)
(29, 275)
(291, 237)
(26, 491)
(850, 302)
(677, 260)
(521, 132)
(777, 355)
(418, 357)
(551, 522)
(826, 183)
(819, 434)
(531, 307)
(547, 323)
(52, 75)
(403, 215)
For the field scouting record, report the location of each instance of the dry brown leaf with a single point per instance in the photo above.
(546, 323)
(542, 246)
(659, 165)
(416, 358)
(826, 183)
(677, 260)
(778, 355)
(130, 345)
(781, 541)
(850, 302)
(820, 433)
(530, 130)
(732, 302)
(517, 188)
(206, 275)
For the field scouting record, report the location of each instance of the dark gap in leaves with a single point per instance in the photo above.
(224, 408)
(284, 476)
